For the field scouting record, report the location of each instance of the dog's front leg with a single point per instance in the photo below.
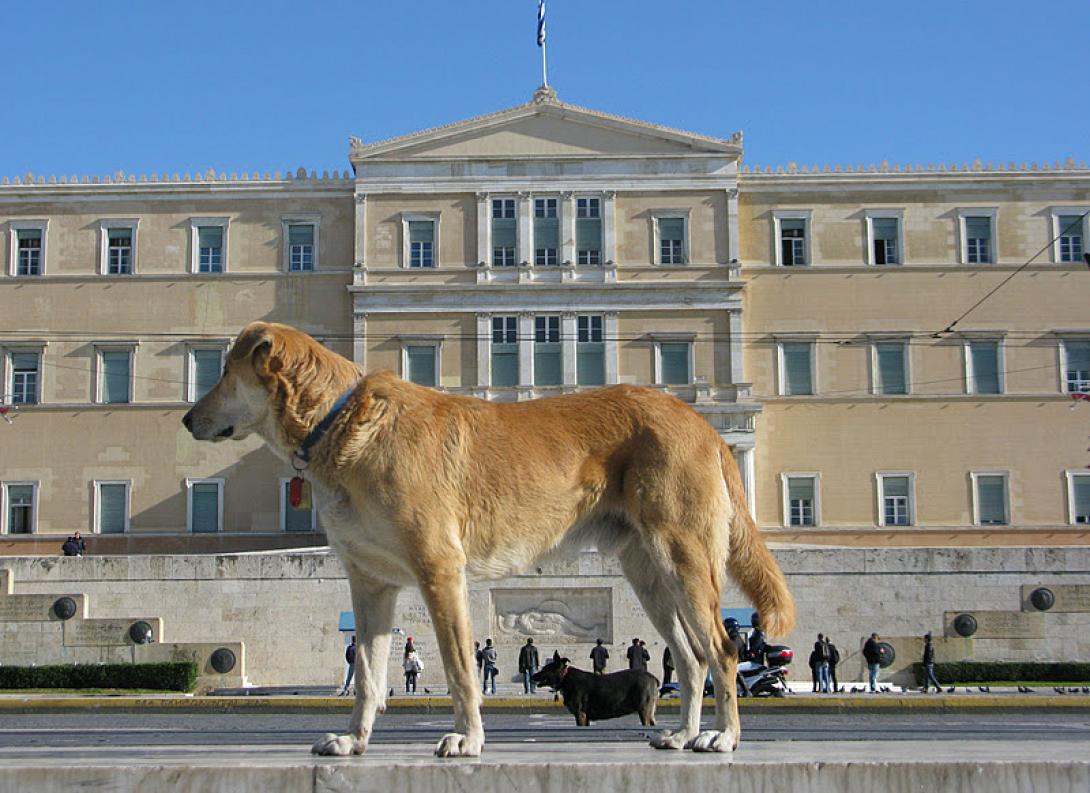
(443, 585)
(373, 605)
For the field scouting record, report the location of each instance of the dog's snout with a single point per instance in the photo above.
(187, 420)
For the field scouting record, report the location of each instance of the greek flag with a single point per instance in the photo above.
(541, 23)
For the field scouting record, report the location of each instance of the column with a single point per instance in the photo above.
(737, 371)
(734, 252)
(746, 467)
(525, 252)
(359, 339)
(526, 349)
(359, 249)
(567, 228)
(484, 230)
(484, 349)
(568, 334)
(612, 347)
(609, 227)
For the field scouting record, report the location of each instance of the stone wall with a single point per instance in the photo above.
(284, 607)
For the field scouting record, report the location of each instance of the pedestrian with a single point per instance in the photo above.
(872, 654)
(350, 659)
(834, 659)
(74, 546)
(667, 666)
(821, 649)
(757, 644)
(480, 658)
(735, 635)
(409, 647)
(488, 655)
(929, 666)
(637, 656)
(413, 667)
(528, 664)
(814, 662)
(598, 656)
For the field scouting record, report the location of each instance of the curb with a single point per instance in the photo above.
(280, 704)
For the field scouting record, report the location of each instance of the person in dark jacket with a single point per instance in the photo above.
(872, 654)
(667, 666)
(350, 659)
(929, 665)
(528, 665)
(735, 635)
(757, 644)
(637, 656)
(74, 546)
(821, 650)
(598, 656)
(834, 659)
(489, 656)
(814, 662)
(480, 658)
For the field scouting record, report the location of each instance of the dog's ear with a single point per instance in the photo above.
(556, 655)
(565, 661)
(256, 344)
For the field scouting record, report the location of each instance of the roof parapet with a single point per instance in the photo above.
(884, 167)
(211, 175)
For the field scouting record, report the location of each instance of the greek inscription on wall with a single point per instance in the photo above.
(1002, 624)
(568, 615)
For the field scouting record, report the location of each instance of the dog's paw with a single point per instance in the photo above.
(333, 745)
(670, 740)
(713, 741)
(454, 744)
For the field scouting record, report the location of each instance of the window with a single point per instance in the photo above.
(504, 232)
(293, 518)
(111, 507)
(990, 499)
(25, 378)
(301, 247)
(671, 239)
(421, 364)
(421, 243)
(790, 232)
(884, 236)
(205, 505)
(1069, 229)
(984, 376)
(21, 512)
(546, 232)
(205, 368)
(890, 368)
(796, 368)
(209, 239)
(800, 499)
(1076, 365)
(547, 369)
(505, 351)
(1078, 497)
(119, 247)
(115, 376)
(675, 363)
(28, 247)
(588, 231)
(590, 365)
(895, 499)
(978, 233)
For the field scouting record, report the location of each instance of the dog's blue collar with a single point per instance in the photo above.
(303, 454)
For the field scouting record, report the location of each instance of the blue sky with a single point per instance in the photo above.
(147, 86)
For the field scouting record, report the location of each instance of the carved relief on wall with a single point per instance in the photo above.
(567, 615)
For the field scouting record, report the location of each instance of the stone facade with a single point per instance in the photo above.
(284, 609)
(544, 249)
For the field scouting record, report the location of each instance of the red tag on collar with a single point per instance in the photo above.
(299, 493)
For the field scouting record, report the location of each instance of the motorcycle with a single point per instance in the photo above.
(754, 679)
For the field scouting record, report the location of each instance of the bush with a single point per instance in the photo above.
(988, 671)
(175, 676)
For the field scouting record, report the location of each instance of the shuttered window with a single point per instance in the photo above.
(674, 359)
(800, 501)
(421, 243)
(984, 367)
(1077, 365)
(671, 240)
(505, 351)
(29, 245)
(21, 517)
(978, 240)
(1071, 241)
(546, 232)
(113, 507)
(210, 249)
(547, 369)
(1080, 498)
(421, 364)
(116, 377)
(588, 231)
(300, 247)
(798, 376)
(504, 232)
(204, 508)
(991, 495)
(590, 364)
(896, 500)
(207, 367)
(890, 378)
(119, 251)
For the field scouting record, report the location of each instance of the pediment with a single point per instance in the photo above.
(543, 130)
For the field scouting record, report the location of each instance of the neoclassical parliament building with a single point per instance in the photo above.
(849, 330)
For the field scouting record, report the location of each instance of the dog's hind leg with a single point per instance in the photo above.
(442, 581)
(373, 606)
(642, 572)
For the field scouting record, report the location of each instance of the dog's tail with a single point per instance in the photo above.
(750, 562)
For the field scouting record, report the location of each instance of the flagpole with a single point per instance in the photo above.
(544, 73)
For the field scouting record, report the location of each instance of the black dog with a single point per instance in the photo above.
(594, 697)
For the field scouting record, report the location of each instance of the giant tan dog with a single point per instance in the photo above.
(416, 487)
